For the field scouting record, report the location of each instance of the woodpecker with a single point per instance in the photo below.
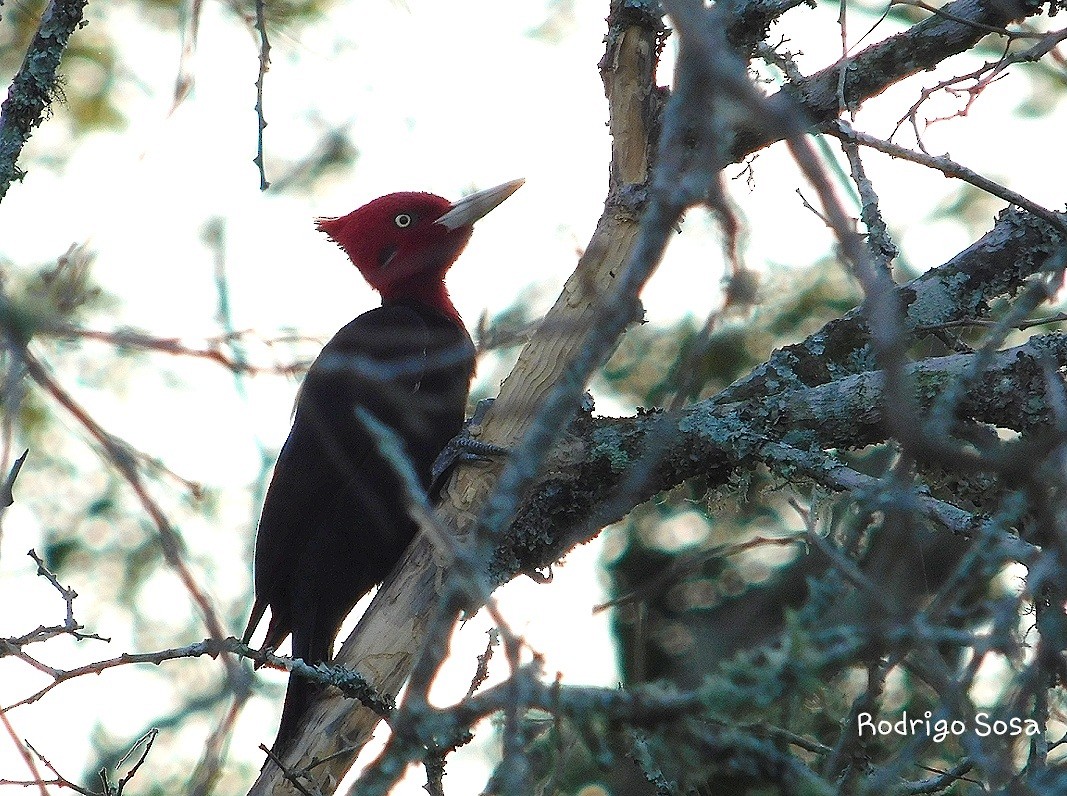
(334, 521)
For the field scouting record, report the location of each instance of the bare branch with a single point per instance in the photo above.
(949, 168)
(117, 454)
(870, 72)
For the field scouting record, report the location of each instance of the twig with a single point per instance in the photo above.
(264, 65)
(950, 168)
(879, 242)
(67, 594)
(117, 454)
(6, 495)
(130, 338)
(208, 647)
(147, 740)
(24, 752)
(14, 645)
(291, 776)
(481, 673)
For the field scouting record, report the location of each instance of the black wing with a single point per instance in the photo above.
(411, 369)
(334, 521)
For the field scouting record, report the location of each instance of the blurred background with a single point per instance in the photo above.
(140, 237)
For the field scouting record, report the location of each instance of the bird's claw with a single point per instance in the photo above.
(480, 410)
(464, 447)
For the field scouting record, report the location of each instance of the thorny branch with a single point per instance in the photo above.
(261, 77)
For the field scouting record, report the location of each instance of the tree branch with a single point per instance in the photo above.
(542, 393)
(853, 80)
(712, 439)
(1016, 248)
(390, 634)
(34, 87)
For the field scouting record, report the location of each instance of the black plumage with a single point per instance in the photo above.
(335, 518)
(334, 521)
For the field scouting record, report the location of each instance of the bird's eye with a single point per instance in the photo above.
(403, 220)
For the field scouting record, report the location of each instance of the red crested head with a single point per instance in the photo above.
(404, 243)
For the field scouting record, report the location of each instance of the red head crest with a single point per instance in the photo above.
(404, 243)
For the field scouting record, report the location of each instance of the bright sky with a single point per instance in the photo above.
(439, 97)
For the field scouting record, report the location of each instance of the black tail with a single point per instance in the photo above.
(298, 697)
(301, 691)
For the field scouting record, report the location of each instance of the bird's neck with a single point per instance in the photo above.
(429, 293)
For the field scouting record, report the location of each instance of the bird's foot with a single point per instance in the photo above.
(464, 447)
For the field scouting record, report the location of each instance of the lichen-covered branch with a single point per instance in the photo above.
(1017, 247)
(712, 439)
(35, 85)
